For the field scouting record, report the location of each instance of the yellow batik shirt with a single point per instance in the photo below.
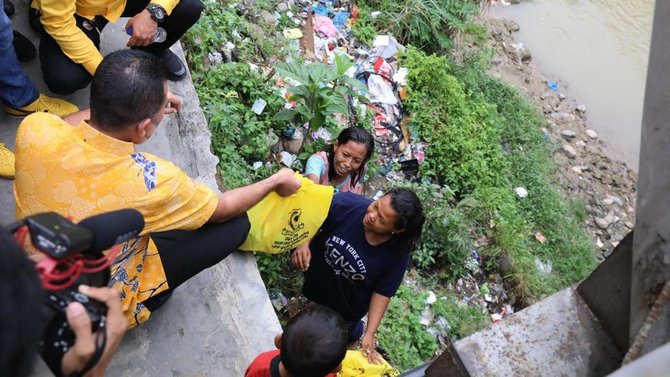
(79, 172)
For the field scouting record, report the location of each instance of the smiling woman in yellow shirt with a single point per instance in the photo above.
(70, 43)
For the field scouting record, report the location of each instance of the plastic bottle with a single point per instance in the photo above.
(159, 37)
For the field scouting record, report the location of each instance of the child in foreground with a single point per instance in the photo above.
(313, 344)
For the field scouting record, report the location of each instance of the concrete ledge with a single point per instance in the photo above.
(558, 336)
(214, 325)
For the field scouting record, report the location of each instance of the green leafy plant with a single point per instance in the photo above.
(321, 91)
(363, 29)
(400, 333)
(217, 25)
(221, 23)
(529, 156)
(278, 274)
(448, 236)
(239, 136)
(464, 147)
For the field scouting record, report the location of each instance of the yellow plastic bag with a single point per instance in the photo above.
(355, 364)
(279, 224)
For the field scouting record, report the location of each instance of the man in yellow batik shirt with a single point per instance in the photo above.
(70, 43)
(93, 167)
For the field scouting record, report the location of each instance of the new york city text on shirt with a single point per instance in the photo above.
(344, 259)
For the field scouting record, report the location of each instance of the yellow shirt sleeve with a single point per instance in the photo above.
(177, 202)
(168, 5)
(58, 20)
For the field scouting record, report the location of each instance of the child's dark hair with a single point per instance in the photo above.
(410, 216)
(314, 342)
(357, 135)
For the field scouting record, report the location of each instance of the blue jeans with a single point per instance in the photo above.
(16, 89)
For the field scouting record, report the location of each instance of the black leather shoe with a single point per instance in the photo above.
(9, 8)
(25, 50)
(175, 70)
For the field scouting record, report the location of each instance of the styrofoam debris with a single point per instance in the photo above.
(521, 192)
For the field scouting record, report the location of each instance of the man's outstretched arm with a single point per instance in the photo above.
(235, 202)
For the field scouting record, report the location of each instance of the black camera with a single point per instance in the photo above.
(56, 236)
(73, 255)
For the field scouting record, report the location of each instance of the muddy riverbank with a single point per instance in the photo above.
(588, 169)
(597, 51)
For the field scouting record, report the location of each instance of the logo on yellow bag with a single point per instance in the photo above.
(293, 222)
(293, 233)
(279, 224)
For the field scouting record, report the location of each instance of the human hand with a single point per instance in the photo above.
(144, 29)
(286, 182)
(173, 104)
(301, 257)
(368, 348)
(77, 357)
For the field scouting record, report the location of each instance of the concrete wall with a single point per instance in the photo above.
(557, 336)
(653, 364)
(651, 246)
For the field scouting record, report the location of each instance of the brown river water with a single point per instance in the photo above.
(597, 50)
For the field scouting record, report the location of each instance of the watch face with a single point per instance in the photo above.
(157, 12)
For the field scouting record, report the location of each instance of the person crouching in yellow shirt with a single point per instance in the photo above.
(94, 167)
(70, 42)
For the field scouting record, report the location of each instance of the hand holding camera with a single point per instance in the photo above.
(85, 323)
(77, 358)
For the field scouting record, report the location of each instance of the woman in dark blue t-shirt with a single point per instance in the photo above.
(356, 262)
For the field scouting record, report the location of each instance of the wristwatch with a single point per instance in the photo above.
(157, 12)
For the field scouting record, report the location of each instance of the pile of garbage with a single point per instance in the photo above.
(377, 67)
(475, 289)
(323, 29)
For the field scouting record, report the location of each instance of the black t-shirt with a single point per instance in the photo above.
(345, 269)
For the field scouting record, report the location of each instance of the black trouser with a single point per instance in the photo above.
(63, 76)
(186, 253)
